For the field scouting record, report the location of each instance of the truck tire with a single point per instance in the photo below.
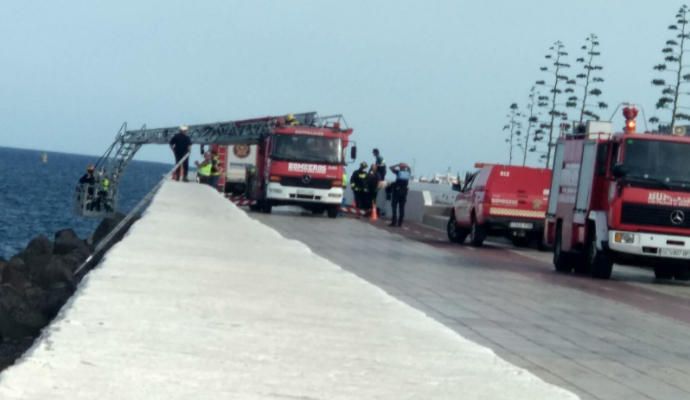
(266, 207)
(454, 232)
(477, 233)
(333, 211)
(600, 264)
(682, 272)
(663, 272)
(562, 262)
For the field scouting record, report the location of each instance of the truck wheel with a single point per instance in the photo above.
(477, 233)
(682, 273)
(562, 261)
(333, 211)
(663, 272)
(600, 264)
(266, 207)
(455, 233)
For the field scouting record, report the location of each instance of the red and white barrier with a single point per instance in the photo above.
(241, 201)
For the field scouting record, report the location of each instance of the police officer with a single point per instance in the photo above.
(399, 192)
(358, 183)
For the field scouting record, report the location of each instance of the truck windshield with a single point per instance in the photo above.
(307, 149)
(657, 161)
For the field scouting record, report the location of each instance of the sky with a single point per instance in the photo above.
(427, 82)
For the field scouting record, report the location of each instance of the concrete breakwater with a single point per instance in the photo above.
(36, 283)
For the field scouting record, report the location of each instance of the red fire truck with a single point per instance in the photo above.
(620, 198)
(498, 199)
(300, 162)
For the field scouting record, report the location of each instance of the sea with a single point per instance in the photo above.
(36, 197)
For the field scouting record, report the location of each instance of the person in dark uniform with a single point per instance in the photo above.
(373, 187)
(358, 183)
(380, 164)
(399, 192)
(88, 186)
(180, 145)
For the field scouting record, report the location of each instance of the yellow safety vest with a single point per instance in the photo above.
(204, 169)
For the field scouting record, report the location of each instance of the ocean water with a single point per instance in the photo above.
(36, 197)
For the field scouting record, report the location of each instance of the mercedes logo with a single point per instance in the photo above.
(677, 217)
(306, 179)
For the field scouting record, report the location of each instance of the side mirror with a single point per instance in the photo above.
(619, 171)
(353, 152)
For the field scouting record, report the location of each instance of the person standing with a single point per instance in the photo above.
(380, 164)
(203, 169)
(399, 192)
(180, 145)
(216, 169)
(358, 183)
(88, 187)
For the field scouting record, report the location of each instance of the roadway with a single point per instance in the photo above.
(625, 338)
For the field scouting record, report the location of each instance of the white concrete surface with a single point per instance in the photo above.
(201, 302)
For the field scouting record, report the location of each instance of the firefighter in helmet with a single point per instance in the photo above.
(358, 183)
(290, 120)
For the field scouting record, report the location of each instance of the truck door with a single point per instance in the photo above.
(584, 184)
(463, 203)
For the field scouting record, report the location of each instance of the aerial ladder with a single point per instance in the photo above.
(94, 201)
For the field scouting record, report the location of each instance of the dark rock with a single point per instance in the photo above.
(76, 257)
(67, 241)
(3, 264)
(54, 299)
(15, 274)
(17, 318)
(105, 227)
(58, 270)
(37, 255)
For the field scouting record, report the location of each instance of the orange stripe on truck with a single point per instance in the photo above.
(512, 212)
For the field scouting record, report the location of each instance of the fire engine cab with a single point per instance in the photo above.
(620, 198)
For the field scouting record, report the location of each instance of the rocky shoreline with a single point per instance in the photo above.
(38, 281)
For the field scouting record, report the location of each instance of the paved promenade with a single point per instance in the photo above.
(627, 338)
(200, 301)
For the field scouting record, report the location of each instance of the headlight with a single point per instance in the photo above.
(624, 237)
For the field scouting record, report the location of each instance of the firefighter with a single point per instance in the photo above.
(399, 192)
(216, 169)
(203, 169)
(290, 120)
(87, 186)
(380, 164)
(373, 181)
(103, 198)
(358, 183)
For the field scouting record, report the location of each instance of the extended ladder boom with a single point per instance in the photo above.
(224, 133)
(127, 142)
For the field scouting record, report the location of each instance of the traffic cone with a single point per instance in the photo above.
(374, 214)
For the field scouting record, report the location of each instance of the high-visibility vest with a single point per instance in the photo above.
(204, 169)
(344, 180)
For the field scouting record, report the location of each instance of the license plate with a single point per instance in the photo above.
(674, 253)
(521, 225)
(305, 192)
